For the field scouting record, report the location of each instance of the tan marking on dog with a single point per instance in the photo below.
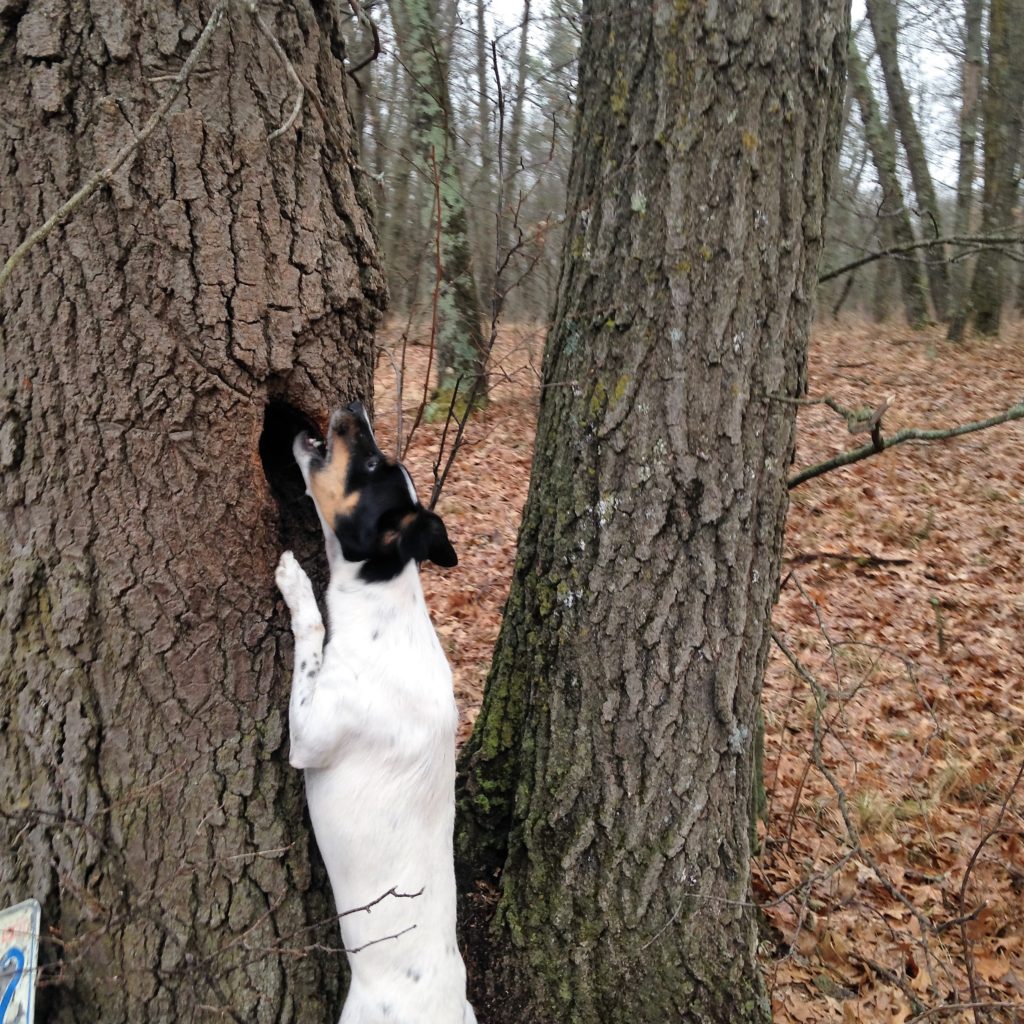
(328, 486)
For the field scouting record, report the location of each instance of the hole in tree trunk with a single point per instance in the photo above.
(299, 526)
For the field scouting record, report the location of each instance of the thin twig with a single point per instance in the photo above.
(972, 979)
(853, 836)
(106, 174)
(292, 74)
(444, 433)
(945, 1008)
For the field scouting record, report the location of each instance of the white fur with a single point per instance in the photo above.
(373, 721)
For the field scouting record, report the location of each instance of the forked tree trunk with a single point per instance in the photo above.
(609, 782)
(881, 142)
(885, 25)
(145, 798)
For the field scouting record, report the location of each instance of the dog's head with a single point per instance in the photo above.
(368, 501)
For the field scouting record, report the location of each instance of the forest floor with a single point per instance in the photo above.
(891, 874)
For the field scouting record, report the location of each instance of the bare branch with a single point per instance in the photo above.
(435, 301)
(948, 1008)
(853, 455)
(972, 974)
(292, 74)
(367, 23)
(930, 243)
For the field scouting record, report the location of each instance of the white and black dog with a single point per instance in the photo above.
(373, 719)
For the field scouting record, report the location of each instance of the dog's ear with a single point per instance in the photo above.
(423, 536)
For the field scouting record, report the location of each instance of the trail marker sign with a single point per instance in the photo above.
(19, 948)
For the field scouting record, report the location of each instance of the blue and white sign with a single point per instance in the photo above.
(19, 947)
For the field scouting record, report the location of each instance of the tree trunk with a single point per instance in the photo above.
(485, 189)
(1002, 108)
(610, 778)
(881, 142)
(461, 354)
(145, 799)
(885, 25)
(883, 281)
(971, 89)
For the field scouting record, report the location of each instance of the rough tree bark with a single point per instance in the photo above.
(461, 348)
(885, 26)
(609, 779)
(971, 91)
(221, 282)
(1003, 114)
(882, 144)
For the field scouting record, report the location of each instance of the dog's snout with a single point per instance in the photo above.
(356, 408)
(341, 420)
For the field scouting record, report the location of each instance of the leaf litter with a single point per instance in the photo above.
(903, 597)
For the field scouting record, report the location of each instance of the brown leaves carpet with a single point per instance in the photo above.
(892, 883)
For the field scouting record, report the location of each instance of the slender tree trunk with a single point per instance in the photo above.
(403, 234)
(883, 281)
(881, 143)
(145, 799)
(485, 190)
(885, 25)
(971, 88)
(1002, 109)
(460, 340)
(610, 778)
(510, 215)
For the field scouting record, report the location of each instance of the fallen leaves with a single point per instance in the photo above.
(911, 563)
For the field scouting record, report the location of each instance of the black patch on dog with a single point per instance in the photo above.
(417, 535)
(297, 523)
(387, 528)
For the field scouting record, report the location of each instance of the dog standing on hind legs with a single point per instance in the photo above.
(372, 719)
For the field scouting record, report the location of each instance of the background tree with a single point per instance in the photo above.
(885, 25)
(881, 141)
(1003, 114)
(609, 778)
(221, 280)
(970, 87)
(460, 340)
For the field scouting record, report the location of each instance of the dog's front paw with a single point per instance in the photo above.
(293, 583)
